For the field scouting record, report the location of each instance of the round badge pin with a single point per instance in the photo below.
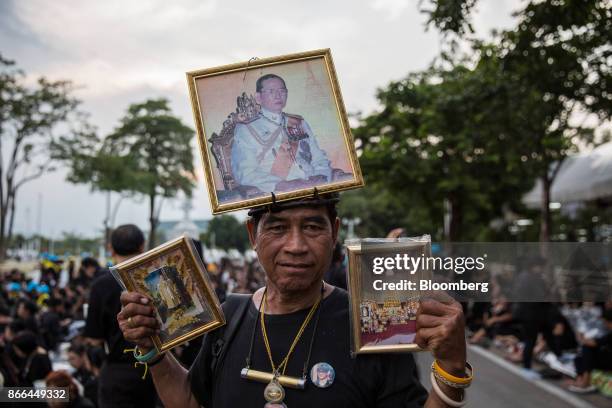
(322, 375)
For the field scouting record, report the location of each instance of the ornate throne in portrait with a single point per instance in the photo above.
(221, 147)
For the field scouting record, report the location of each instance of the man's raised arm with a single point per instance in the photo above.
(137, 323)
(441, 330)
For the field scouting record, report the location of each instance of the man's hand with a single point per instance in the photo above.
(170, 377)
(441, 329)
(137, 320)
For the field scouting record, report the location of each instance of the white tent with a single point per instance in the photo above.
(583, 177)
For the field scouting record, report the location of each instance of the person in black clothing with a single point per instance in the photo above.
(535, 317)
(89, 270)
(25, 360)
(94, 359)
(336, 274)
(120, 384)
(26, 312)
(594, 354)
(8, 369)
(51, 328)
(359, 383)
(294, 241)
(78, 360)
(64, 380)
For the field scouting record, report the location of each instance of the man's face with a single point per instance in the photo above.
(75, 360)
(273, 95)
(295, 246)
(22, 311)
(90, 271)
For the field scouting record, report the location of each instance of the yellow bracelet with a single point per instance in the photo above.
(451, 378)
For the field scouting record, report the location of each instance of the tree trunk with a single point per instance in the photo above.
(107, 230)
(2, 222)
(9, 235)
(2, 247)
(2, 236)
(152, 221)
(3, 225)
(545, 221)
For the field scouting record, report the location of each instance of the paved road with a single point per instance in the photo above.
(496, 387)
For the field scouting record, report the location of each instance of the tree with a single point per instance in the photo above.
(90, 161)
(439, 142)
(557, 60)
(381, 210)
(154, 146)
(31, 118)
(226, 232)
(75, 244)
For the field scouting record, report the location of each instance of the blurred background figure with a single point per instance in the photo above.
(64, 380)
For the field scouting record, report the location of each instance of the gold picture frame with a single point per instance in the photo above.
(264, 155)
(398, 327)
(173, 276)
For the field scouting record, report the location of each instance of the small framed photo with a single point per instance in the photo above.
(272, 129)
(384, 294)
(173, 276)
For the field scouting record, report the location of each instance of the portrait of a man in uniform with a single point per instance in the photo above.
(277, 151)
(272, 129)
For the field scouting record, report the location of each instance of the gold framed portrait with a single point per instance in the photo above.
(173, 276)
(383, 302)
(272, 129)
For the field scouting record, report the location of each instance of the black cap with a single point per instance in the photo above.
(317, 200)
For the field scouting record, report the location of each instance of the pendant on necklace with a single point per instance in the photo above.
(322, 375)
(274, 394)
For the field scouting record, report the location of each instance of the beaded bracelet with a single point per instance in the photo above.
(445, 398)
(451, 380)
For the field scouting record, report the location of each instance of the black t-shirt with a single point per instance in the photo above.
(104, 305)
(605, 342)
(384, 380)
(50, 329)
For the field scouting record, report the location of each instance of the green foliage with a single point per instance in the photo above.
(69, 244)
(226, 232)
(157, 149)
(450, 15)
(149, 153)
(476, 131)
(440, 137)
(75, 244)
(157, 152)
(380, 211)
(30, 119)
(91, 161)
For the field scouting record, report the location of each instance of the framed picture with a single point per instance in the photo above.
(173, 276)
(272, 129)
(383, 305)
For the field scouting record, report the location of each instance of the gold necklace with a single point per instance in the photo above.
(274, 392)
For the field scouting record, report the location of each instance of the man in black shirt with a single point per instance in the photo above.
(120, 384)
(26, 312)
(359, 383)
(294, 243)
(51, 327)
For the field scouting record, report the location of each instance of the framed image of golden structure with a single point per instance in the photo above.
(173, 276)
(272, 129)
(383, 305)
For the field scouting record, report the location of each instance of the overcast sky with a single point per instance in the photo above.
(122, 52)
